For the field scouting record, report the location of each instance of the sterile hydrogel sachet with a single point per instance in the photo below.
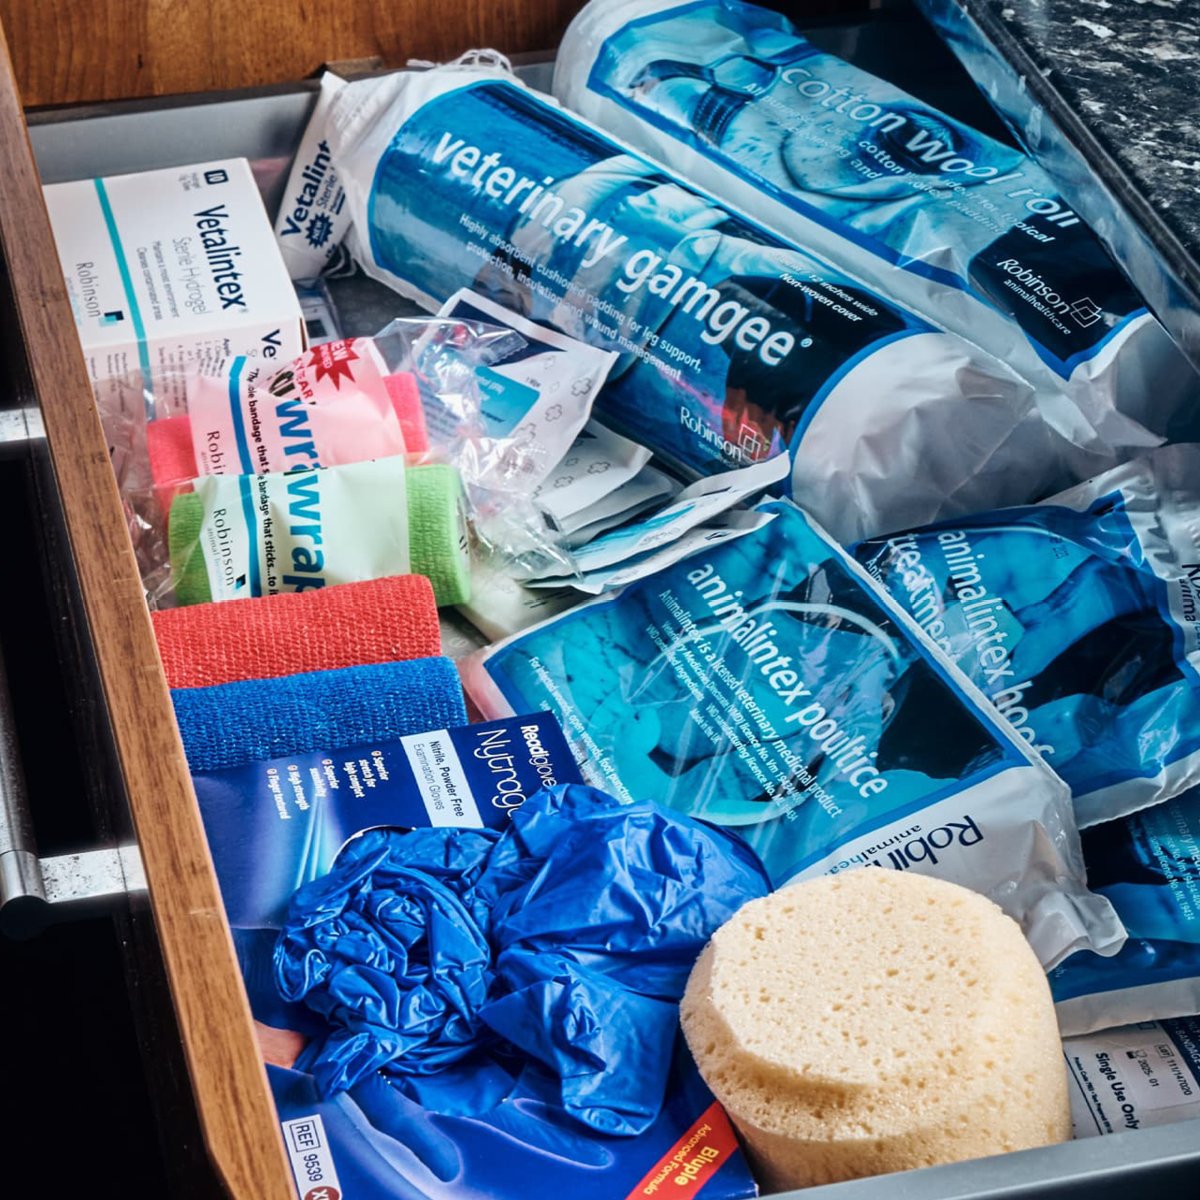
(735, 345)
(767, 685)
(950, 222)
(1078, 618)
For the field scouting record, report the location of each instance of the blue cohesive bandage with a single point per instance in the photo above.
(235, 723)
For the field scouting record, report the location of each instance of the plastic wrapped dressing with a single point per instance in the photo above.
(1148, 866)
(312, 220)
(735, 345)
(767, 685)
(956, 225)
(539, 398)
(1078, 618)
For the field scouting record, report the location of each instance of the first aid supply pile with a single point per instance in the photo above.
(776, 479)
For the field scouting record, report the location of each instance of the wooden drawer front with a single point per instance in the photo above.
(228, 1079)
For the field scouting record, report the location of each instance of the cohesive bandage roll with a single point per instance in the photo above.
(876, 1021)
(378, 620)
(437, 535)
(254, 719)
(188, 570)
(406, 403)
(172, 455)
(238, 536)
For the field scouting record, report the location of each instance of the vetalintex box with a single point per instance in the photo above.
(168, 269)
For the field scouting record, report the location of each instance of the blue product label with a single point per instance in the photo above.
(275, 825)
(374, 1143)
(762, 685)
(737, 84)
(730, 339)
(1148, 865)
(1061, 621)
(503, 402)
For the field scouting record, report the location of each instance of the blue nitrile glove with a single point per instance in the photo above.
(598, 914)
(385, 949)
(440, 955)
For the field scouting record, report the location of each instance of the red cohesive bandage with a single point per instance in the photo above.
(351, 624)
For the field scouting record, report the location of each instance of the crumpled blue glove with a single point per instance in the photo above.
(386, 950)
(566, 941)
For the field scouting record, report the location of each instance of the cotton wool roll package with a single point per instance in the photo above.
(735, 344)
(1077, 617)
(956, 225)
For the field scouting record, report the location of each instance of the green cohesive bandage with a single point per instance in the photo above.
(259, 535)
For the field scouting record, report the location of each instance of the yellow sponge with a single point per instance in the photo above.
(876, 1021)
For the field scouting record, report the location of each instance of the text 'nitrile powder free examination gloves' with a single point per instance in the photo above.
(959, 227)
(735, 345)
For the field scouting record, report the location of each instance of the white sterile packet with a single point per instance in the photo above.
(597, 463)
(694, 506)
(539, 399)
(724, 527)
(649, 487)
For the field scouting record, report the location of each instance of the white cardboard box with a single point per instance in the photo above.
(169, 269)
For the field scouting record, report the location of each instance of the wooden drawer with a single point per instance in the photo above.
(226, 1077)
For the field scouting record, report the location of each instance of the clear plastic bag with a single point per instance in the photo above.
(209, 481)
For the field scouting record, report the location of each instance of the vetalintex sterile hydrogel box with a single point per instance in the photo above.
(167, 269)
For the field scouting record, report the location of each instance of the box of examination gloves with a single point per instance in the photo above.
(170, 268)
(275, 826)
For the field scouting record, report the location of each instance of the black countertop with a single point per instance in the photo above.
(1104, 94)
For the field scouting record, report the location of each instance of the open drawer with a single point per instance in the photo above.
(227, 1080)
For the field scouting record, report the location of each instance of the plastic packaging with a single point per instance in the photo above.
(649, 487)
(735, 344)
(558, 948)
(332, 405)
(413, 387)
(237, 536)
(1148, 866)
(681, 544)
(1078, 618)
(1134, 1077)
(539, 398)
(769, 686)
(312, 220)
(374, 1140)
(700, 502)
(501, 606)
(959, 227)
(280, 823)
